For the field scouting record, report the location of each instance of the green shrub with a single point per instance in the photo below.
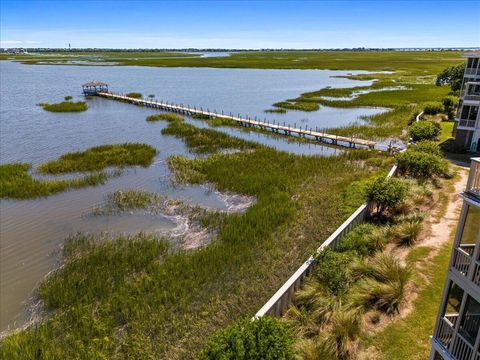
(424, 130)
(421, 164)
(450, 104)
(433, 108)
(333, 269)
(134, 95)
(386, 193)
(265, 338)
(68, 98)
(426, 146)
(363, 240)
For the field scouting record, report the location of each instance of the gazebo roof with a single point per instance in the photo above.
(94, 83)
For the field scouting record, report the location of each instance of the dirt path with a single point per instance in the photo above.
(440, 230)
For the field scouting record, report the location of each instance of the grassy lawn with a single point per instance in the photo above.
(409, 338)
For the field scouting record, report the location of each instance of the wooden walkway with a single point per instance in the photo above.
(351, 142)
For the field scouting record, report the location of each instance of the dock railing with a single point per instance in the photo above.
(279, 302)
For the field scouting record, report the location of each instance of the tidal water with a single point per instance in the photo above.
(32, 231)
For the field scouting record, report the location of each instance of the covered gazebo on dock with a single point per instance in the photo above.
(93, 87)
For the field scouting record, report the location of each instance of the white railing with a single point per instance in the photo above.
(279, 302)
(473, 183)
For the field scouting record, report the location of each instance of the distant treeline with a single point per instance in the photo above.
(96, 50)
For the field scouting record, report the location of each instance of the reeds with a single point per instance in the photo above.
(65, 106)
(165, 116)
(100, 157)
(17, 183)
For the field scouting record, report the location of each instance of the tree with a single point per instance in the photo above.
(264, 338)
(386, 193)
(416, 162)
(452, 76)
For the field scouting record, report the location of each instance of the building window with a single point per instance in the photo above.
(468, 115)
(470, 323)
(472, 63)
(471, 229)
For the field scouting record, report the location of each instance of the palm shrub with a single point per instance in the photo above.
(382, 285)
(264, 338)
(406, 232)
(341, 339)
(386, 193)
(424, 130)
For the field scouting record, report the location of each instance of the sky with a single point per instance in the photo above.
(239, 24)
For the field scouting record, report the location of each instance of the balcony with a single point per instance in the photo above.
(453, 342)
(471, 91)
(472, 71)
(473, 183)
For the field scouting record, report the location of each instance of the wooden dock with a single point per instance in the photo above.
(351, 142)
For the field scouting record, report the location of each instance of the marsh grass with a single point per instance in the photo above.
(65, 106)
(17, 183)
(135, 95)
(202, 141)
(217, 121)
(297, 105)
(276, 111)
(120, 201)
(100, 157)
(141, 300)
(165, 116)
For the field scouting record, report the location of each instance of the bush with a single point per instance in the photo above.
(424, 130)
(386, 193)
(265, 338)
(422, 164)
(450, 104)
(333, 269)
(426, 146)
(363, 240)
(433, 108)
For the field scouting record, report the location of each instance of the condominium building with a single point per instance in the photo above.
(467, 132)
(457, 328)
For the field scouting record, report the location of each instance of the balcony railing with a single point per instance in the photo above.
(473, 183)
(472, 71)
(476, 273)
(467, 123)
(461, 260)
(453, 342)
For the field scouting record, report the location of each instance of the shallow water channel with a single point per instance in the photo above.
(32, 231)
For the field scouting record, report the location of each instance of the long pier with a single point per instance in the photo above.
(351, 142)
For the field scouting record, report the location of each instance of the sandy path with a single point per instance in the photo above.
(440, 231)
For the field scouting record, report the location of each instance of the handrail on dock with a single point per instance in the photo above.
(321, 136)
